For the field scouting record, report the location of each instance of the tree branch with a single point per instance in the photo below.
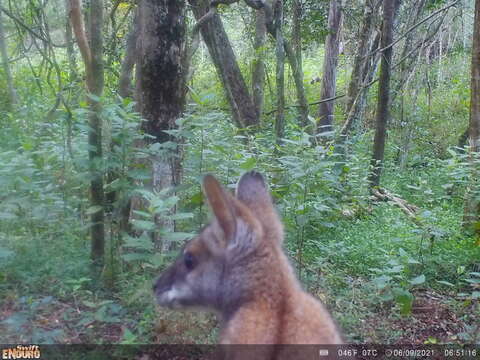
(24, 26)
(75, 15)
(413, 27)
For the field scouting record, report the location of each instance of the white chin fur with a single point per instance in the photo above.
(173, 296)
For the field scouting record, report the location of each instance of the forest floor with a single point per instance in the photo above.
(434, 319)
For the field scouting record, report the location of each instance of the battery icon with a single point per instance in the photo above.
(323, 352)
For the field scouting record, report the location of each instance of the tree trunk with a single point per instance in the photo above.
(383, 93)
(92, 53)
(297, 70)
(12, 94)
(359, 62)
(225, 62)
(160, 86)
(125, 88)
(472, 203)
(297, 73)
(280, 73)
(159, 72)
(72, 64)
(407, 67)
(95, 133)
(258, 72)
(325, 110)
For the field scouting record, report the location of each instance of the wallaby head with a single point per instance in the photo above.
(213, 268)
(236, 267)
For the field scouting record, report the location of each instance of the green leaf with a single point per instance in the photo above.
(382, 281)
(128, 337)
(157, 260)
(93, 97)
(395, 269)
(177, 236)
(7, 216)
(197, 199)
(142, 243)
(249, 164)
(443, 282)
(473, 281)
(89, 304)
(142, 214)
(144, 225)
(413, 261)
(136, 257)
(93, 209)
(181, 216)
(418, 280)
(5, 253)
(404, 299)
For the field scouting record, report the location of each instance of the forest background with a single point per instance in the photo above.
(363, 115)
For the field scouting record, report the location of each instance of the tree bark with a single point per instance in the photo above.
(326, 109)
(359, 62)
(125, 88)
(407, 66)
(160, 87)
(159, 71)
(258, 72)
(95, 133)
(474, 123)
(225, 62)
(297, 70)
(72, 63)
(383, 93)
(297, 73)
(12, 94)
(92, 53)
(472, 204)
(280, 73)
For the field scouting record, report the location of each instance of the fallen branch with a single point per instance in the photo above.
(409, 209)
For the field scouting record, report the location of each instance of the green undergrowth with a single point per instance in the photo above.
(369, 262)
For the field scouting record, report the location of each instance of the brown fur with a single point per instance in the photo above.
(241, 272)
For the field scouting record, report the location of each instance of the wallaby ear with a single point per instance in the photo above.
(253, 192)
(221, 204)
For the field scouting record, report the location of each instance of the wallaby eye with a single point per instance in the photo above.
(189, 261)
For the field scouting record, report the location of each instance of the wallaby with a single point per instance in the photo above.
(236, 267)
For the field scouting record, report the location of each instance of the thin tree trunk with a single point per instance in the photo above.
(360, 61)
(280, 73)
(472, 203)
(200, 8)
(383, 93)
(462, 140)
(125, 88)
(92, 53)
(12, 94)
(297, 70)
(258, 72)
(72, 63)
(225, 62)
(297, 73)
(95, 133)
(160, 87)
(407, 67)
(328, 88)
